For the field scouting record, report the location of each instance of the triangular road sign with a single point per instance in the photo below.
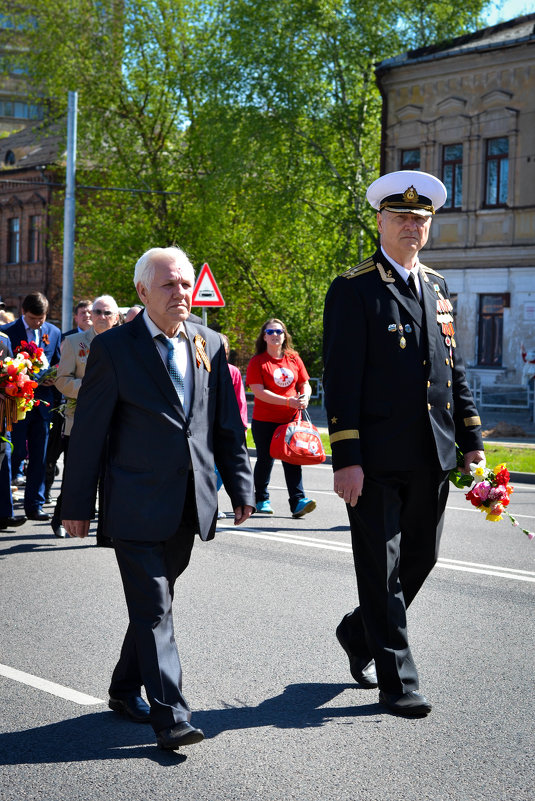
(206, 292)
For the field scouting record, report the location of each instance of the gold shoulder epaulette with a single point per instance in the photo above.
(433, 272)
(364, 267)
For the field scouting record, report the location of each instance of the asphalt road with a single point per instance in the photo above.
(255, 617)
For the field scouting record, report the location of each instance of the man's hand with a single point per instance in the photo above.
(76, 528)
(242, 513)
(348, 483)
(473, 457)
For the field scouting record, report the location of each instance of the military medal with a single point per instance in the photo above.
(402, 343)
(408, 328)
(392, 327)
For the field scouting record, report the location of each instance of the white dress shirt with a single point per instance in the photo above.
(182, 355)
(404, 273)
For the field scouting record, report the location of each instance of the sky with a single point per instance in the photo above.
(508, 9)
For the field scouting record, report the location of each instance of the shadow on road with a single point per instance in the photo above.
(300, 706)
(104, 735)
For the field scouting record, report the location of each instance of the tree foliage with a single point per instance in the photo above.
(248, 130)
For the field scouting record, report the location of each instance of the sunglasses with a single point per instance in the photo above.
(271, 331)
(103, 312)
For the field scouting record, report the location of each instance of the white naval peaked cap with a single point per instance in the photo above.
(407, 191)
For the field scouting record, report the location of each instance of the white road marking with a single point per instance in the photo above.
(49, 686)
(344, 547)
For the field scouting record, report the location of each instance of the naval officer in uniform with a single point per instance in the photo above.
(397, 401)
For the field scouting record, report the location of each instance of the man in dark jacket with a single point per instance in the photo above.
(397, 402)
(158, 404)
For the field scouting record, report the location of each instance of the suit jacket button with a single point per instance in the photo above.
(447, 361)
(448, 405)
(449, 384)
(188, 432)
(428, 384)
(429, 406)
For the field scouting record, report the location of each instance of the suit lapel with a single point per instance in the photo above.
(153, 364)
(430, 306)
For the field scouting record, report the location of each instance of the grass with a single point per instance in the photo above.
(518, 459)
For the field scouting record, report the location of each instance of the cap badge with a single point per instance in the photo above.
(410, 195)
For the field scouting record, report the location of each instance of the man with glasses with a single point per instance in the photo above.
(71, 370)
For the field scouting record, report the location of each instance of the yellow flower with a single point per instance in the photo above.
(494, 518)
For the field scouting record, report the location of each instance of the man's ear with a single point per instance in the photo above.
(142, 292)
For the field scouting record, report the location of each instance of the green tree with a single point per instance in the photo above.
(247, 131)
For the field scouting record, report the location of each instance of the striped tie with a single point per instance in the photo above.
(174, 371)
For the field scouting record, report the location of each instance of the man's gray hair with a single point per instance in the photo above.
(109, 300)
(144, 271)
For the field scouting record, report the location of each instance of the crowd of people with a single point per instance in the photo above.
(397, 403)
(276, 376)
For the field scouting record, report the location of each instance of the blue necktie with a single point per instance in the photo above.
(174, 371)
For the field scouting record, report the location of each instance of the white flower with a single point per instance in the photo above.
(479, 472)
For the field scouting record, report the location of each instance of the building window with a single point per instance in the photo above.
(497, 171)
(489, 350)
(13, 241)
(34, 237)
(452, 175)
(410, 159)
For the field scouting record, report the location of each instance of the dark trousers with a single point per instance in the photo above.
(31, 433)
(262, 434)
(149, 655)
(395, 531)
(6, 499)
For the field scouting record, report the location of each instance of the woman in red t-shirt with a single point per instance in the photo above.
(278, 380)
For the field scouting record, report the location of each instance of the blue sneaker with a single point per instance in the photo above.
(264, 508)
(304, 506)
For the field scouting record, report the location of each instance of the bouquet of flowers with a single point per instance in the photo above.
(489, 491)
(16, 388)
(33, 355)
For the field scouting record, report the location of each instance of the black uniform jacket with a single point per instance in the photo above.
(395, 385)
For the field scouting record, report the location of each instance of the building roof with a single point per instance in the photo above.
(34, 146)
(512, 33)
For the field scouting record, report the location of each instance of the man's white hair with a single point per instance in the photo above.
(109, 300)
(144, 270)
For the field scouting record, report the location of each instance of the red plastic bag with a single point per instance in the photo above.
(297, 442)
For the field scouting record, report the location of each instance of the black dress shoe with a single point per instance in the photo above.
(179, 734)
(411, 704)
(134, 708)
(38, 515)
(361, 668)
(58, 530)
(11, 522)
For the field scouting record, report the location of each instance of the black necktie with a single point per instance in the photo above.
(413, 289)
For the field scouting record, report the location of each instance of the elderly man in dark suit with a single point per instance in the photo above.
(32, 432)
(397, 402)
(159, 388)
